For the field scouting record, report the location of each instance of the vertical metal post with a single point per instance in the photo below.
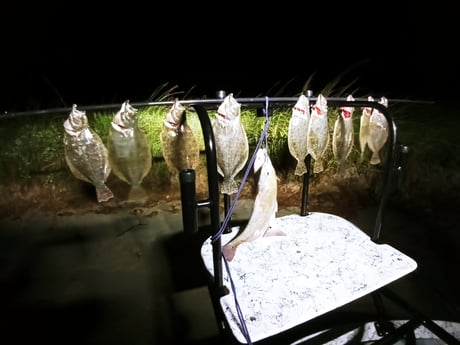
(305, 187)
(188, 200)
(213, 190)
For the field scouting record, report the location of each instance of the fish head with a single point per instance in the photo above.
(347, 112)
(384, 101)
(302, 107)
(126, 117)
(76, 122)
(175, 116)
(320, 107)
(261, 158)
(229, 110)
(367, 110)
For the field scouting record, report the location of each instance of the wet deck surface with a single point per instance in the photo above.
(133, 278)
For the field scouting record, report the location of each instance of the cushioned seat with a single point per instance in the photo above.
(322, 263)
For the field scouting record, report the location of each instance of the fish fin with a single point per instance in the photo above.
(273, 231)
(229, 251)
(137, 194)
(375, 159)
(103, 193)
(318, 166)
(300, 169)
(229, 186)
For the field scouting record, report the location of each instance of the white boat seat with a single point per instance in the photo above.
(323, 263)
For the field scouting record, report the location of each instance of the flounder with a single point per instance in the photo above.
(232, 147)
(318, 133)
(297, 133)
(129, 151)
(179, 145)
(343, 136)
(378, 132)
(86, 154)
(364, 127)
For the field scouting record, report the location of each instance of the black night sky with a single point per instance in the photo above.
(71, 53)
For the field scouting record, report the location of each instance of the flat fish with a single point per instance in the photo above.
(86, 154)
(318, 133)
(378, 132)
(262, 221)
(179, 145)
(297, 133)
(364, 127)
(232, 147)
(343, 135)
(129, 151)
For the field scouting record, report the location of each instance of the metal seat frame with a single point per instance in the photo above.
(313, 331)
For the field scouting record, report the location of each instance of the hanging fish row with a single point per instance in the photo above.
(308, 133)
(128, 152)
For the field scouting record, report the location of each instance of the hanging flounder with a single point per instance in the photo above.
(297, 133)
(85, 153)
(232, 147)
(262, 221)
(129, 151)
(364, 127)
(179, 146)
(318, 134)
(378, 132)
(342, 137)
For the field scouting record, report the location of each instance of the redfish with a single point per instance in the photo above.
(262, 221)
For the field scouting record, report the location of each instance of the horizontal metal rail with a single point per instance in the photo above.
(256, 102)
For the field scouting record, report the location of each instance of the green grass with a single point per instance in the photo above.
(33, 146)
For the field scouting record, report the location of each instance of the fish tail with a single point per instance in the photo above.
(229, 251)
(137, 193)
(103, 193)
(375, 159)
(362, 154)
(301, 168)
(318, 166)
(229, 186)
(341, 169)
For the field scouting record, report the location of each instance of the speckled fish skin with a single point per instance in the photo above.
(318, 133)
(86, 154)
(262, 221)
(378, 132)
(343, 135)
(297, 133)
(364, 127)
(129, 150)
(232, 147)
(179, 145)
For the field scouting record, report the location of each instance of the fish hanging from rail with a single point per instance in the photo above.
(129, 151)
(262, 221)
(297, 133)
(179, 145)
(232, 147)
(343, 136)
(86, 154)
(364, 127)
(378, 132)
(318, 133)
